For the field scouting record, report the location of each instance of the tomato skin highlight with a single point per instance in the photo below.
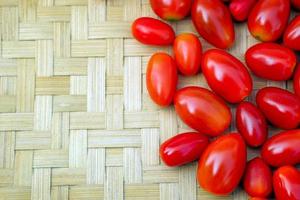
(183, 148)
(152, 31)
(202, 110)
(271, 61)
(187, 52)
(213, 22)
(291, 37)
(268, 19)
(296, 4)
(161, 78)
(251, 123)
(240, 9)
(226, 75)
(222, 164)
(296, 81)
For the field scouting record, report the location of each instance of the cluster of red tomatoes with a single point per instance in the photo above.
(223, 161)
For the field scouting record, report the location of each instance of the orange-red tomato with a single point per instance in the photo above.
(240, 9)
(296, 81)
(187, 52)
(257, 198)
(291, 37)
(183, 148)
(222, 164)
(161, 78)
(202, 110)
(268, 19)
(296, 4)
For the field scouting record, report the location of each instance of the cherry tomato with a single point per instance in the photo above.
(296, 4)
(171, 9)
(296, 81)
(282, 149)
(213, 22)
(161, 78)
(187, 51)
(152, 31)
(258, 198)
(268, 19)
(258, 178)
(202, 110)
(226, 75)
(280, 107)
(271, 61)
(286, 182)
(240, 9)
(251, 123)
(291, 37)
(222, 164)
(183, 148)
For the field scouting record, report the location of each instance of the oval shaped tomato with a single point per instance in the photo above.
(268, 19)
(161, 78)
(258, 178)
(213, 22)
(286, 182)
(296, 4)
(291, 37)
(280, 107)
(226, 75)
(222, 164)
(282, 149)
(152, 31)
(271, 61)
(296, 81)
(251, 123)
(202, 110)
(240, 9)
(187, 52)
(183, 148)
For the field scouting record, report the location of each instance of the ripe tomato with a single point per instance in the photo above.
(282, 149)
(296, 81)
(187, 51)
(213, 22)
(268, 19)
(226, 75)
(281, 107)
(171, 9)
(271, 61)
(296, 4)
(152, 31)
(291, 37)
(183, 148)
(286, 182)
(202, 110)
(257, 198)
(240, 9)
(222, 164)
(251, 123)
(161, 78)
(258, 178)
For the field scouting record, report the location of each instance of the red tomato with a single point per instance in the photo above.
(202, 110)
(281, 107)
(271, 61)
(222, 164)
(291, 37)
(282, 149)
(183, 148)
(187, 51)
(258, 178)
(171, 9)
(296, 4)
(286, 182)
(257, 198)
(161, 78)
(296, 81)
(240, 9)
(213, 22)
(268, 19)
(152, 31)
(226, 75)
(252, 124)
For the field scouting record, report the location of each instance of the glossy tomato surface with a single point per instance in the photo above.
(213, 22)
(282, 148)
(226, 75)
(296, 81)
(222, 164)
(271, 61)
(251, 123)
(187, 51)
(183, 148)
(240, 9)
(258, 178)
(286, 182)
(296, 4)
(152, 31)
(280, 107)
(202, 110)
(291, 37)
(268, 19)
(257, 198)
(161, 78)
